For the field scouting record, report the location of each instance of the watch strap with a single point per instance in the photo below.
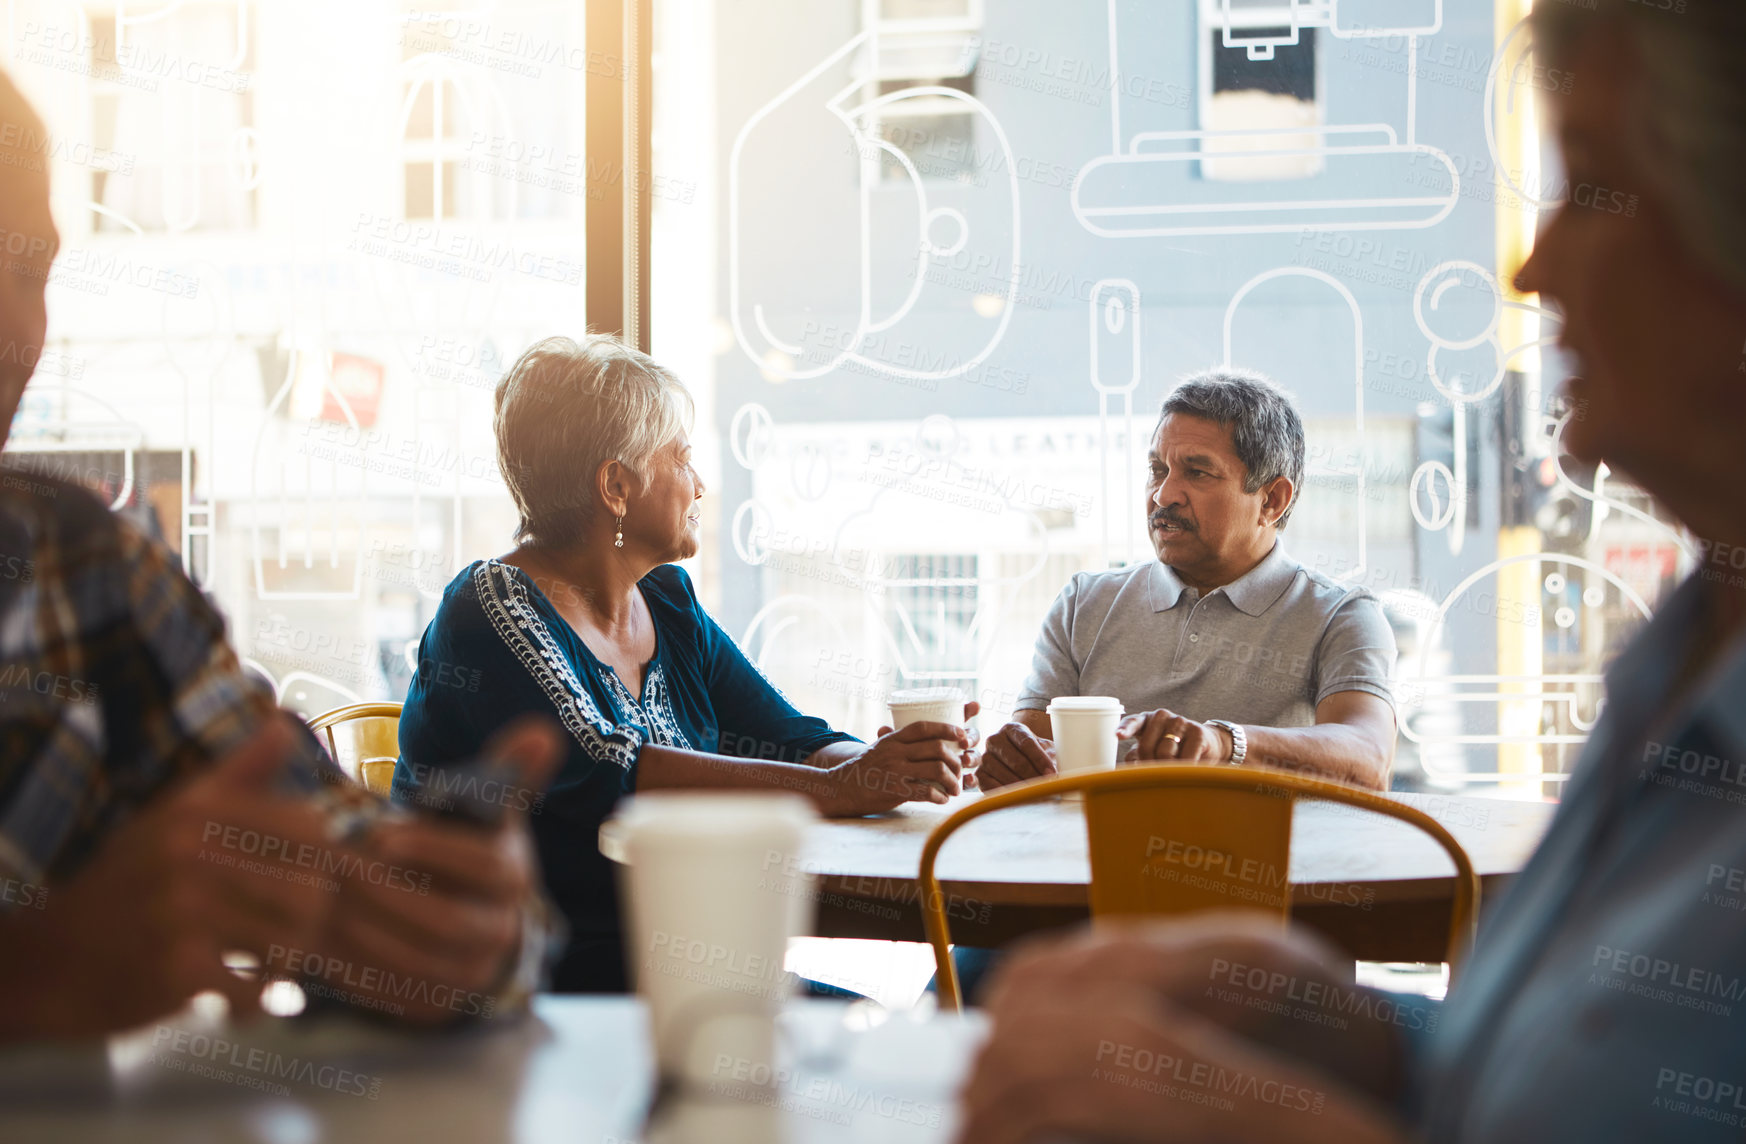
(1239, 740)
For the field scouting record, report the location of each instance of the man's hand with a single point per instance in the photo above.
(435, 907)
(1015, 753)
(1125, 1037)
(201, 871)
(1164, 736)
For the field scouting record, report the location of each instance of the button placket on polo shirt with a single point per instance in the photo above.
(1189, 641)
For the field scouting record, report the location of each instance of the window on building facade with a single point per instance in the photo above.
(1259, 97)
(172, 114)
(919, 52)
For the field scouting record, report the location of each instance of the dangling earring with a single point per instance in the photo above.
(619, 541)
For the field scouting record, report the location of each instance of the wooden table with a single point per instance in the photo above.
(579, 1070)
(1375, 887)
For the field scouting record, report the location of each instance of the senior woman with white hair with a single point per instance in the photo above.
(1603, 1001)
(589, 620)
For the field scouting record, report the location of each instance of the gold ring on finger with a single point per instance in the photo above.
(1174, 738)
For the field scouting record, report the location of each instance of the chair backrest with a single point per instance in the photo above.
(377, 739)
(1174, 839)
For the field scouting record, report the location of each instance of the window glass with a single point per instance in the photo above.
(300, 243)
(934, 301)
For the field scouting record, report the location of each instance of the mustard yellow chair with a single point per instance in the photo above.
(377, 741)
(1173, 839)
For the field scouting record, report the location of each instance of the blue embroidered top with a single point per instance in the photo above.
(498, 649)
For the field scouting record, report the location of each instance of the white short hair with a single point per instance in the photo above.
(564, 409)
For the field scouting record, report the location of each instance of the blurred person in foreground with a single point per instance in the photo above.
(157, 812)
(589, 619)
(1225, 649)
(1603, 1000)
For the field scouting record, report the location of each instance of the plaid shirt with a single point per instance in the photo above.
(115, 680)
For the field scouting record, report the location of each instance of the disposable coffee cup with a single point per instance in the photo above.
(928, 705)
(716, 890)
(1084, 727)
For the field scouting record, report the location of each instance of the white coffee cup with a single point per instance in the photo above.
(715, 889)
(927, 705)
(1084, 727)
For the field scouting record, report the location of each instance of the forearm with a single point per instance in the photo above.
(832, 754)
(669, 768)
(1327, 750)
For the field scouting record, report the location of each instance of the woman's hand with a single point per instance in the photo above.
(924, 762)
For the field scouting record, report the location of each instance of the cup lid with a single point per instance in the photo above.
(1094, 704)
(925, 695)
(713, 816)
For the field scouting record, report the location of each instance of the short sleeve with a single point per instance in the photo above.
(1357, 651)
(1053, 671)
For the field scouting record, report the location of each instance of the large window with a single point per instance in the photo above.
(300, 244)
(929, 267)
(932, 384)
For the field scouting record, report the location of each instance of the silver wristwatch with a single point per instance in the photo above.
(1239, 741)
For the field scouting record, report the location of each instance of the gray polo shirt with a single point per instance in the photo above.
(1262, 650)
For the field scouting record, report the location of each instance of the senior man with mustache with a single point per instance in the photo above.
(1225, 649)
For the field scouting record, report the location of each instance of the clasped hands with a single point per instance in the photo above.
(418, 918)
(1015, 753)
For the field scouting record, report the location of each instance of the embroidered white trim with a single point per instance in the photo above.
(504, 601)
(657, 714)
(663, 723)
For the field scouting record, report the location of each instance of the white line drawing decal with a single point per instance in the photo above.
(420, 302)
(1361, 459)
(1435, 304)
(1569, 690)
(1114, 317)
(179, 177)
(214, 304)
(750, 434)
(807, 351)
(1146, 186)
(1488, 110)
(288, 479)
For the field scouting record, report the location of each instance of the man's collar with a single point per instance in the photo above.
(1253, 592)
(1165, 587)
